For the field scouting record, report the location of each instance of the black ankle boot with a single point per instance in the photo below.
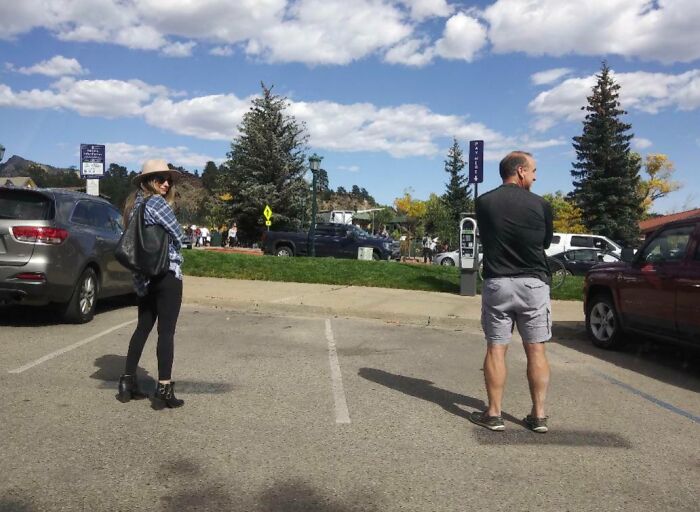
(129, 388)
(166, 394)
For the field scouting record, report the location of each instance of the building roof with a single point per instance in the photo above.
(649, 225)
(18, 182)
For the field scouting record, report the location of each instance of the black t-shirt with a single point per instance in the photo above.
(515, 227)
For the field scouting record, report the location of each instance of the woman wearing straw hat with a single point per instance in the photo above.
(159, 297)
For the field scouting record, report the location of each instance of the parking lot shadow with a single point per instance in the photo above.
(29, 316)
(678, 366)
(111, 366)
(426, 390)
(554, 437)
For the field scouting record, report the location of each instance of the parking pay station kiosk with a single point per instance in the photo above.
(468, 256)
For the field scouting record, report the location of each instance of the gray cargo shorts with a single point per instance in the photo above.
(507, 301)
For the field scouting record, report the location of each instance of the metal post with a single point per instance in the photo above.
(314, 165)
(314, 206)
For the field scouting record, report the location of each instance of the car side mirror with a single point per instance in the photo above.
(350, 233)
(627, 255)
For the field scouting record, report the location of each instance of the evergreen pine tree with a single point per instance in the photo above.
(210, 176)
(605, 174)
(457, 196)
(266, 166)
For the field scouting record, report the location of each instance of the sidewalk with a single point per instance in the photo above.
(391, 305)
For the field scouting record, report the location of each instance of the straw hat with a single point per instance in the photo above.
(155, 166)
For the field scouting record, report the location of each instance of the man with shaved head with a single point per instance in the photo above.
(515, 227)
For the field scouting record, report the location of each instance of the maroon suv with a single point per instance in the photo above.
(657, 293)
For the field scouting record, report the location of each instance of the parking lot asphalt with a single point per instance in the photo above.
(296, 402)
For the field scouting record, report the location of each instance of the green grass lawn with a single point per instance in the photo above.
(382, 274)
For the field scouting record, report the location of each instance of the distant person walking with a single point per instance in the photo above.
(427, 253)
(233, 235)
(515, 226)
(160, 297)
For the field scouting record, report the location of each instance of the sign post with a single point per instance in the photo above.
(476, 164)
(92, 166)
(267, 212)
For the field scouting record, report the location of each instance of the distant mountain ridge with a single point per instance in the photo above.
(18, 166)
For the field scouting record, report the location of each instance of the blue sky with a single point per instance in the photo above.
(382, 85)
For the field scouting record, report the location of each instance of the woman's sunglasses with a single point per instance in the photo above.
(162, 179)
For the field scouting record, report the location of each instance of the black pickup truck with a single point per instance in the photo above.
(335, 240)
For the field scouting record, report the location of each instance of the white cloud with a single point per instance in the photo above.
(329, 32)
(463, 37)
(348, 168)
(133, 155)
(338, 32)
(178, 49)
(641, 143)
(404, 130)
(102, 98)
(663, 30)
(412, 52)
(55, 66)
(423, 9)
(206, 117)
(221, 51)
(642, 91)
(549, 76)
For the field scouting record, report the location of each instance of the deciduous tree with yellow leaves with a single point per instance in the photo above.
(659, 168)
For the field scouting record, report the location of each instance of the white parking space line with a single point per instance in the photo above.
(341, 407)
(63, 350)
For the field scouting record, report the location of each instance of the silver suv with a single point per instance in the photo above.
(57, 247)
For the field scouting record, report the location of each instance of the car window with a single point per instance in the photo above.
(19, 204)
(670, 245)
(81, 213)
(100, 216)
(115, 220)
(600, 244)
(556, 239)
(581, 241)
(585, 256)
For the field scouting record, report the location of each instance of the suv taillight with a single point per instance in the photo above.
(39, 234)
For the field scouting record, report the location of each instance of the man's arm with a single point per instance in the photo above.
(548, 224)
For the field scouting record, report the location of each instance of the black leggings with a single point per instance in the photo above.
(162, 302)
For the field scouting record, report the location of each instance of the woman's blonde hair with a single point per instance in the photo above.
(147, 188)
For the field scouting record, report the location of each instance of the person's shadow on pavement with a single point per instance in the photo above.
(426, 390)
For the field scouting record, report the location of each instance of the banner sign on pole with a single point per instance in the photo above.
(476, 161)
(92, 160)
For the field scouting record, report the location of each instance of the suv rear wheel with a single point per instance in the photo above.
(81, 307)
(603, 322)
(284, 251)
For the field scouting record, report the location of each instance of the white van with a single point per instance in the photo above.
(564, 241)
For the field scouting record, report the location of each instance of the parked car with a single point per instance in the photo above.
(448, 259)
(565, 241)
(186, 240)
(579, 261)
(57, 247)
(657, 293)
(336, 240)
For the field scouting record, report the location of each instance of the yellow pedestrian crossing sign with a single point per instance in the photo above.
(267, 212)
(268, 223)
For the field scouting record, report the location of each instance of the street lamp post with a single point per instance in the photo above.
(314, 165)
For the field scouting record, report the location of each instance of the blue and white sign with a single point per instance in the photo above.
(92, 160)
(476, 161)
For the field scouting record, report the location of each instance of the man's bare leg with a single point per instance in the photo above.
(495, 373)
(537, 376)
